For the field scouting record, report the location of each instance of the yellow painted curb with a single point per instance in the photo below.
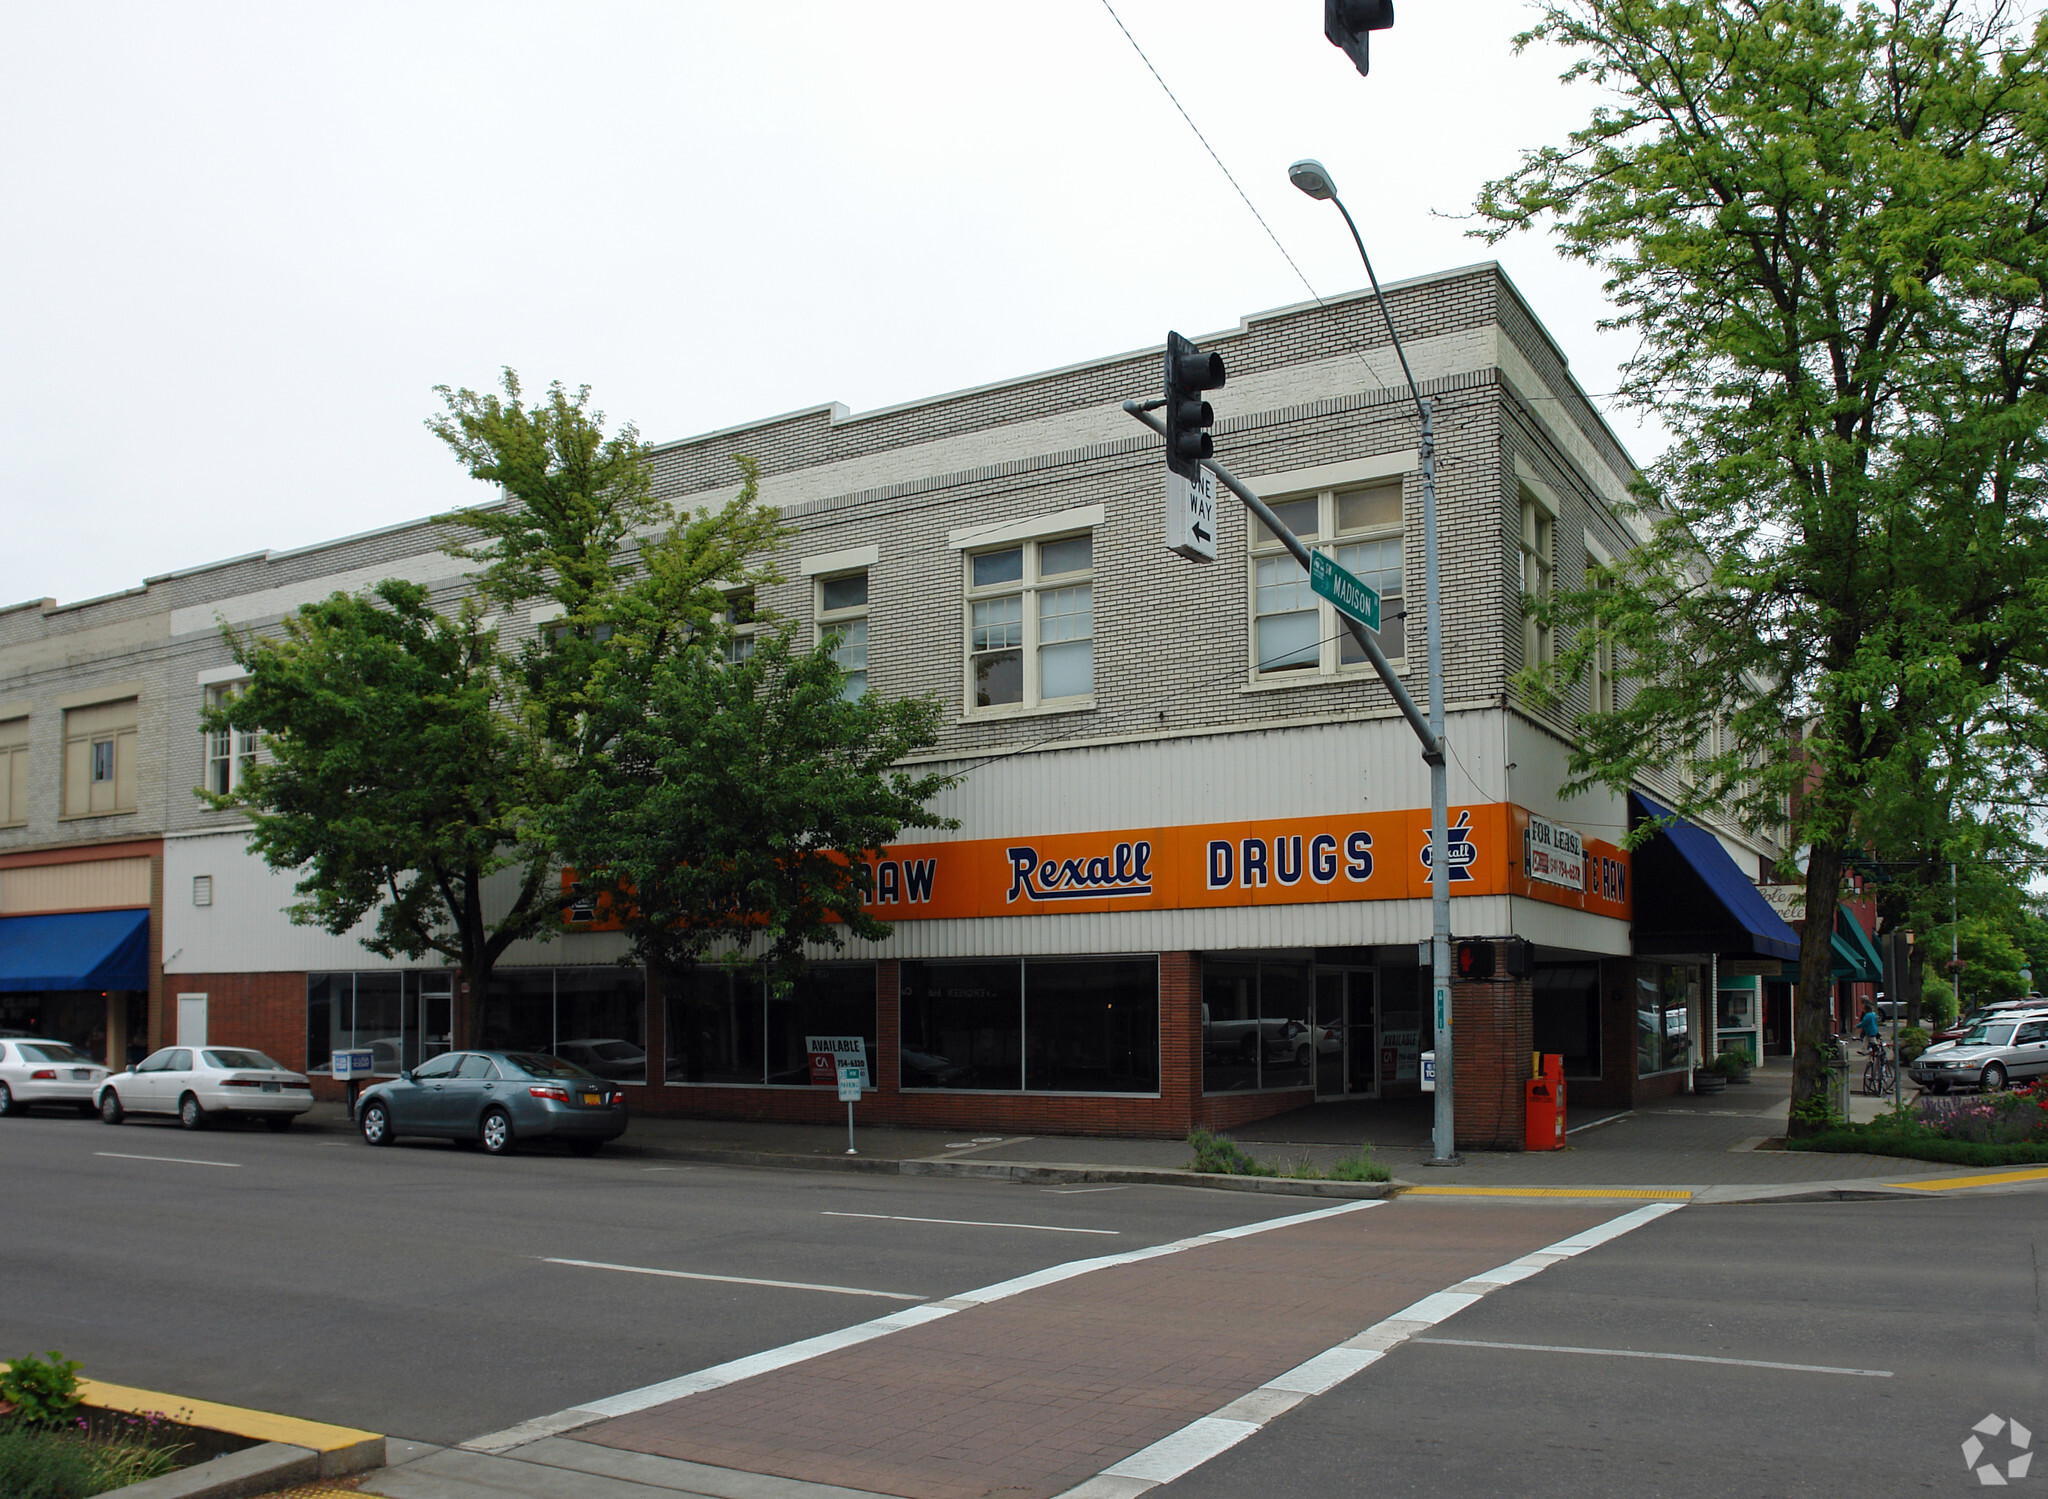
(260, 1426)
(1956, 1183)
(1658, 1194)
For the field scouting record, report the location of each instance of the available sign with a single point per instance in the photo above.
(354, 1064)
(830, 1053)
(1554, 854)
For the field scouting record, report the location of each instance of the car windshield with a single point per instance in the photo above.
(234, 1059)
(52, 1051)
(539, 1066)
(1987, 1034)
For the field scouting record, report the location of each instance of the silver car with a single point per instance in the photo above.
(1995, 1051)
(496, 1099)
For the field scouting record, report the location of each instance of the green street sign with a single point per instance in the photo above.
(1344, 589)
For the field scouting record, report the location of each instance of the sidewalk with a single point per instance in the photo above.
(1703, 1143)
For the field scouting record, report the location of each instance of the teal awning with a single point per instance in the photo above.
(1856, 956)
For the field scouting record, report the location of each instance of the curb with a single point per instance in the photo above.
(289, 1448)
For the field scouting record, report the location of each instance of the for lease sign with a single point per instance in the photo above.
(1552, 853)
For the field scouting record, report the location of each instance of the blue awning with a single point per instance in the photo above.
(77, 950)
(1690, 897)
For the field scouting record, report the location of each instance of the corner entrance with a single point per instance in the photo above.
(1347, 1033)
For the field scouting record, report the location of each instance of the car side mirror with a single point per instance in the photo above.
(405, 1075)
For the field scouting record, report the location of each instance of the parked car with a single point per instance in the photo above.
(205, 1084)
(54, 1072)
(1961, 1026)
(497, 1099)
(1998, 1049)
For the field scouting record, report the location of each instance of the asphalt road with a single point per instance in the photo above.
(1945, 1294)
(408, 1290)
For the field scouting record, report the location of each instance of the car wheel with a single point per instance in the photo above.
(278, 1123)
(8, 1106)
(190, 1115)
(496, 1133)
(376, 1123)
(1303, 1056)
(1994, 1078)
(585, 1147)
(110, 1107)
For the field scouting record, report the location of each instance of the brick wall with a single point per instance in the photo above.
(266, 1011)
(1493, 1033)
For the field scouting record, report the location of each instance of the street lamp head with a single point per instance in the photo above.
(1313, 178)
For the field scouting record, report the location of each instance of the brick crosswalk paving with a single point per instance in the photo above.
(1026, 1397)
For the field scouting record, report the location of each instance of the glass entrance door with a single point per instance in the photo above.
(1346, 1034)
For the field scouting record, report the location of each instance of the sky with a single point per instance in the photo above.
(243, 243)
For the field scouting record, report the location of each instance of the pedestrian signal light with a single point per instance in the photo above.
(1475, 960)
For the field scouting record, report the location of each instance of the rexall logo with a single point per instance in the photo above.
(1975, 1451)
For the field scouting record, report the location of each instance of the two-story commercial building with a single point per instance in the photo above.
(1190, 876)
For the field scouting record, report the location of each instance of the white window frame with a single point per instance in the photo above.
(14, 740)
(1033, 586)
(842, 622)
(1603, 695)
(232, 749)
(1536, 551)
(1330, 632)
(744, 635)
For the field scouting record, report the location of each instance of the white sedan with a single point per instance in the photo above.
(33, 1072)
(203, 1083)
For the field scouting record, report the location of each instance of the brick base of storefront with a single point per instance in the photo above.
(1492, 1027)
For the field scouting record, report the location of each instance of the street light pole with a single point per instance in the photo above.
(1312, 178)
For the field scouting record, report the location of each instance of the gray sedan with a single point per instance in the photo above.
(496, 1099)
(1997, 1050)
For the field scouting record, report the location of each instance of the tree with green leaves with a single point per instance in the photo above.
(735, 805)
(414, 764)
(1827, 224)
(397, 784)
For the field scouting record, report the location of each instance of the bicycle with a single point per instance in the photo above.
(1880, 1073)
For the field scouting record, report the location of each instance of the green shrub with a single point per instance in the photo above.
(1359, 1166)
(43, 1393)
(1913, 1040)
(42, 1463)
(1910, 1140)
(1219, 1155)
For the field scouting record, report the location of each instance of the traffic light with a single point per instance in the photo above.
(1350, 23)
(1475, 961)
(1189, 372)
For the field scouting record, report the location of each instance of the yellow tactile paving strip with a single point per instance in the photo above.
(1654, 1194)
(261, 1426)
(1957, 1183)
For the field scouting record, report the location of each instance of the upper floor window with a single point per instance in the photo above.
(99, 759)
(229, 752)
(1031, 623)
(742, 617)
(13, 772)
(842, 610)
(1292, 629)
(1539, 568)
(1601, 690)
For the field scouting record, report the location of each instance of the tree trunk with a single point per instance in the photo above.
(1810, 1023)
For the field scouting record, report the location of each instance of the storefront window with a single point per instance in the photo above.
(1663, 1024)
(599, 1018)
(1091, 1027)
(963, 1025)
(1052, 1025)
(379, 1001)
(519, 1012)
(401, 1019)
(714, 1026)
(829, 1000)
(1255, 1026)
(730, 1026)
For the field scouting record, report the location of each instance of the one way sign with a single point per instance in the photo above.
(1191, 516)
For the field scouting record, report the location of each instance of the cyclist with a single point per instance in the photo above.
(1877, 1072)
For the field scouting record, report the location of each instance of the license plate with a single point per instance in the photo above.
(80, 1074)
(593, 1099)
(273, 1087)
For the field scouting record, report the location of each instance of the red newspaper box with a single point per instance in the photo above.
(1544, 1103)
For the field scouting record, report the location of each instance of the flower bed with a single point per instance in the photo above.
(55, 1446)
(1990, 1129)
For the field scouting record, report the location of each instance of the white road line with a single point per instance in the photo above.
(1077, 1191)
(1683, 1358)
(735, 1280)
(1181, 1452)
(1044, 1228)
(175, 1160)
(720, 1375)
